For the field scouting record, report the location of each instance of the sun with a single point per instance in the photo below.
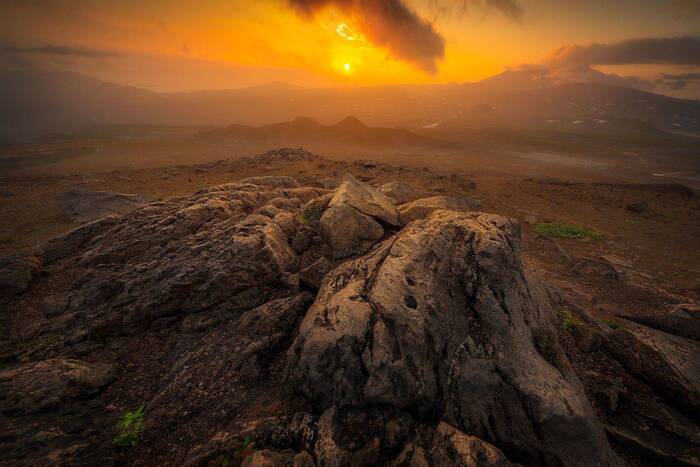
(346, 67)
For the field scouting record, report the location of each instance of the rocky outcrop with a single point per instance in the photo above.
(83, 205)
(422, 208)
(440, 319)
(226, 317)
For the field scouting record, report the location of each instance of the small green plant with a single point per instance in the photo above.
(612, 324)
(312, 214)
(559, 230)
(130, 427)
(546, 345)
(569, 322)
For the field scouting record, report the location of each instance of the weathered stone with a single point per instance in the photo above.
(639, 206)
(83, 205)
(301, 240)
(313, 274)
(401, 192)
(670, 364)
(274, 181)
(17, 271)
(444, 312)
(365, 200)
(422, 208)
(348, 231)
(38, 386)
(452, 447)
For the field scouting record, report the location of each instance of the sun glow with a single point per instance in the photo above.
(346, 67)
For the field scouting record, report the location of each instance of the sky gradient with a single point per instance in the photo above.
(186, 45)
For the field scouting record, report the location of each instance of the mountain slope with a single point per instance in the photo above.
(33, 103)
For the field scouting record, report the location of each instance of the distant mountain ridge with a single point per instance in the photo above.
(33, 103)
(306, 130)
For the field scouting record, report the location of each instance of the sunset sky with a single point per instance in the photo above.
(183, 45)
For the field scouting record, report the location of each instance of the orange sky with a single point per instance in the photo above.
(177, 45)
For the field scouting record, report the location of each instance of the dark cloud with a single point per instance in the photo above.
(671, 51)
(448, 8)
(389, 24)
(682, 8)
(58, 50)
(508, 8)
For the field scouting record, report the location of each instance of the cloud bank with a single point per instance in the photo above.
(669, 51)
(389, 24)
(59, 50)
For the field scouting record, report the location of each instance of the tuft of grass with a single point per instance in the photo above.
(569, 322)
(311, 215)
(130, 427)
(559, 230)
(546, 345)
(613, 324)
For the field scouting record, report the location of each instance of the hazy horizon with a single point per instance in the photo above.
(182, 46)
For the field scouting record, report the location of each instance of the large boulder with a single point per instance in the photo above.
(83, 205)
(422, 208)
(444, 319)
(366, 200)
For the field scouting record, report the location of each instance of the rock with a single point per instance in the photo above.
(365, 200)
(38, 386)
(54, 305)
(422, 208)
(301, 240)
(313, 274)
(348, 231)
(271, 181)
(312, 211)
(452, 447)
(640, 206)
(670, 364)
(401, 192)
(178, 257)
(72, 242)
(17, 271)
(329, 183)
(531, 219)
(680, 324)
(598, 269)
(83, 205)
(439, 320)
